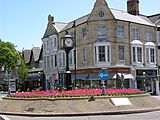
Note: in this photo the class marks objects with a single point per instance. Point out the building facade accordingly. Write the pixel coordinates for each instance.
(50, 52)
(124, 43)
(34, 61)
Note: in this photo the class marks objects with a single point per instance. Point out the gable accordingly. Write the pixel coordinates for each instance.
(50, 30)
(100, 11)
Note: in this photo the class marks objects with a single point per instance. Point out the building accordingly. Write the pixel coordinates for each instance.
(50, 52)
(34, 61)
(155, 19)
(122, 42)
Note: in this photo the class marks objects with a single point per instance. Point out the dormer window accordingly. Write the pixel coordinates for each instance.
(101, 13)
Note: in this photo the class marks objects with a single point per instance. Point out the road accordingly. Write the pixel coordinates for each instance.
(141, 116)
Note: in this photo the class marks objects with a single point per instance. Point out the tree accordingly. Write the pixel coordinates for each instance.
(8, 55)
(11, 59)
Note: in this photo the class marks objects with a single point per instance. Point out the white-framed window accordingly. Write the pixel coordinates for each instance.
(120, 30)
(150, 55)
(135, 33)
(121, 50)
(137, 54)
(149, 35)
(101, 31)
(84, 33)
(84, 54)
(102, 53)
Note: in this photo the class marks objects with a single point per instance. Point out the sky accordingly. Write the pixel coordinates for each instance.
(23, 22)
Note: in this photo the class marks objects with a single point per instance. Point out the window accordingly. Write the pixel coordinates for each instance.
(61, 59)
(102, 53)
(52, 65)
(137, 54)
(134, 54)
(101, 13)
(135, 33)
(121, 52)
(150, 55)
(71, 58)
(55, 42)
(158, 36)
(48, 64)
(148, 36)
(84, 33)
(120, 31)
(84, 54)
(45, 63)
(55, 60)
(101, 31)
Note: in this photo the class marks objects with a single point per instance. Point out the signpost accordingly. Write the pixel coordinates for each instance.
(103, 75)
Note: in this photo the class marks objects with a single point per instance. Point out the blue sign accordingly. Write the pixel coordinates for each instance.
(103, 75)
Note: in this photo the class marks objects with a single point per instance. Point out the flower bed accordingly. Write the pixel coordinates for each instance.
(76, 93)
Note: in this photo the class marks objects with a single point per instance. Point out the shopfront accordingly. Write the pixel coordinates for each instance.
(147, 80)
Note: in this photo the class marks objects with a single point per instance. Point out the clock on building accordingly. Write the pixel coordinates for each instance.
(68, 42)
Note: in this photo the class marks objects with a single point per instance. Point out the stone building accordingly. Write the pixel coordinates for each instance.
(122, 42)
(34, 61)
(50, 52)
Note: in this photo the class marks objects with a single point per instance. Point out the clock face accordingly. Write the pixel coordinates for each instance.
(68, 42)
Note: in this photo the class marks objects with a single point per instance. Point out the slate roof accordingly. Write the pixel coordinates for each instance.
(125, 16)
(154, 18)
(118, 14)
(27, 55)
(35, 51)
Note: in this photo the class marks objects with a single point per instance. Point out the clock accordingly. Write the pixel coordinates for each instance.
(68, 42)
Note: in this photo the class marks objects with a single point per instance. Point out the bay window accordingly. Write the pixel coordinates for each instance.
(102, 53)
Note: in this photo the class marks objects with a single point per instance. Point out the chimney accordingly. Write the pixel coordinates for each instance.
(133, 7)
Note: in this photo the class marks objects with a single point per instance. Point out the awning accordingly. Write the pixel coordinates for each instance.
(79, 76)
(34, 75)
(125, 75)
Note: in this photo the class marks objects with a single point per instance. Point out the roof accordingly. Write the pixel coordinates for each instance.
(59, 26)
(27, 54)
(118, 14)
(154, 18)
(36, 53)
(78, 21)
(125, 16)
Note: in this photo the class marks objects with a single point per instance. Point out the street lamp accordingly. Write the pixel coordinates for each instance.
(144, 80)
(68, 45)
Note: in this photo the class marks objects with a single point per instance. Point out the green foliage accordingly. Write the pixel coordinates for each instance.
(11, 59)
(22, 69)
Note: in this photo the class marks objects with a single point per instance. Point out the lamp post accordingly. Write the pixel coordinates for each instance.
(144, 80)
(68, 45)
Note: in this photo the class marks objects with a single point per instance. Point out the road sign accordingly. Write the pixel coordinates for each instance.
(103, 75)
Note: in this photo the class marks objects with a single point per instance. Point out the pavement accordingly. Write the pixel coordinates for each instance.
(78, 107)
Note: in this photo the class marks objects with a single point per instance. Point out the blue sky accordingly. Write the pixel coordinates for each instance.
(23, 22)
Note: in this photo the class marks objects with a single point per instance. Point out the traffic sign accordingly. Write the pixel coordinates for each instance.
(103, 75)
